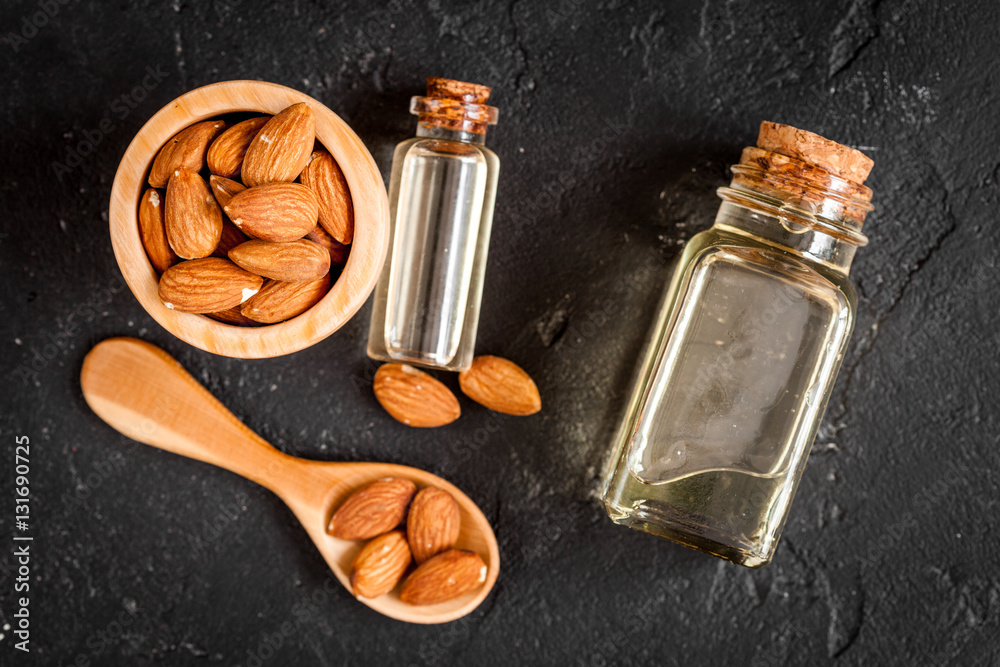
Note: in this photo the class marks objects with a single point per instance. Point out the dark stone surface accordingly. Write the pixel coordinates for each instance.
(618, 121)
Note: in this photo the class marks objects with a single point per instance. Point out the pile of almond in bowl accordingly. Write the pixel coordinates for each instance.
(431, 517)
(249, 223)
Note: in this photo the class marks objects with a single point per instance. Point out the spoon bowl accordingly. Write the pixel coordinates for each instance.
(144, 393)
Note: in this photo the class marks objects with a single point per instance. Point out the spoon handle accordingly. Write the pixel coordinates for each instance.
(144, 393)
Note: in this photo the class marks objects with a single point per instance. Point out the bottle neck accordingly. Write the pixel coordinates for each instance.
(458, 117)
(806, 210)
(739, 216)
(435, 131)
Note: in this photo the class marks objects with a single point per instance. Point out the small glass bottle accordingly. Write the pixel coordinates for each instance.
(744, 353)
(441, 194)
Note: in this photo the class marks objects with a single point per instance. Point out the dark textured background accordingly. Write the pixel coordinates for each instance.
(618, 121)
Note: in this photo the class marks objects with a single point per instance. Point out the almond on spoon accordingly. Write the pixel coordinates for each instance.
(432, 524)
(373, 509)
(380, 565)
(444, 577)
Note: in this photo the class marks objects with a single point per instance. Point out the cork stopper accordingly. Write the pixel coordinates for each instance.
(472, 93)
(818, 180)
(842, 161)
(455, 106)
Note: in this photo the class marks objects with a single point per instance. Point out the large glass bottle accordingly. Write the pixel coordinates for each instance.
(744, 353)
(441, 195)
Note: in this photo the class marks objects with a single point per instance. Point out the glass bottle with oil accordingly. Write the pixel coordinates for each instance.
(744, 352)
(441, 195)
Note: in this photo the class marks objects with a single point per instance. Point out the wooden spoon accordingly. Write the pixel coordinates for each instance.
(144, 393)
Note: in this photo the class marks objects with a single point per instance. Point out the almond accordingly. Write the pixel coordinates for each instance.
(380, 565)
(152, 232)
(186, 150)
(276, 212)
(224, 189)
(432, 524)
(338, 251)
(233, 316)
(294, 261)
(444, 577)
(500, 385)
(193, 220)
(373, 509)
(225, 155)
(336, 209)
(231, 237)
(281, 149)
(206, 285)
(278, 300)
(414, 397)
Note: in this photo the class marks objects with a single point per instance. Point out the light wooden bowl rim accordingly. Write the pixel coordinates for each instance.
(371, 215)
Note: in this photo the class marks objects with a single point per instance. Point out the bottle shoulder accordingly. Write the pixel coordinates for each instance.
(446, 148)
(714, 245)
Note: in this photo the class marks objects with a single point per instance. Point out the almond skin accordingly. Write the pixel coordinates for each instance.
(224, 189)
(281, 149)
(231, 237)
(278, 300)
(278, 212)
(414, 397)
(500, 385)
(186, 150)
(338, 251)
(373, 509)
(380, 565)
(294, 261)
(233, 316)
(193, 220)
(225, 155)
(336, 209)
(206, 285)
(446, 576)
(153, 233)
(432, 523)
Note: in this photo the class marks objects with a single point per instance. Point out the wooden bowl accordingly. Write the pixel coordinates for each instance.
(371, 221)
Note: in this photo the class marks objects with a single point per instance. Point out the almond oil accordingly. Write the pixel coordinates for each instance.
(744, 354)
